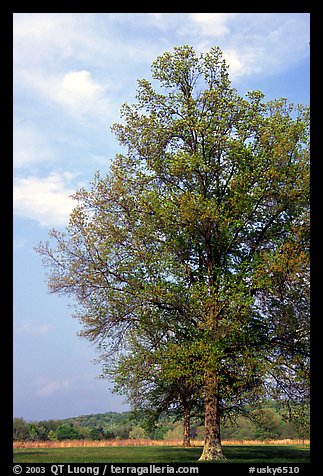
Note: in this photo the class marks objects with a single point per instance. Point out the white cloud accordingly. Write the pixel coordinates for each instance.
(30, 328)
(19, 243)
(45, 200)
(78, 84)
(29, 148)
(45, 46)
(42, 37)
(76, 92)
(236, 64)
(243, 63)
(80, 94)
(48, 387)
(212, 24)
(45, 42)
(263, 44)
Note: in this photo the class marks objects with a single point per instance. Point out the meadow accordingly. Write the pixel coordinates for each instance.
(235, 452)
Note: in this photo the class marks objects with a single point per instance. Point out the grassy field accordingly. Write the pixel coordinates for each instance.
(161, 454)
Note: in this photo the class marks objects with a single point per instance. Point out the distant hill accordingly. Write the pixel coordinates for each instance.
(99, 419)
(265, 423)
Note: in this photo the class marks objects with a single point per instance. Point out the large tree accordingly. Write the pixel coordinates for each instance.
(194, 230)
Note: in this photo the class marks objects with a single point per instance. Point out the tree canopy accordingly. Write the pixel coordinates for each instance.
(197, 236)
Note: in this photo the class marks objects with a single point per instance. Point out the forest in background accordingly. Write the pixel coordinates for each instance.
(268, 422)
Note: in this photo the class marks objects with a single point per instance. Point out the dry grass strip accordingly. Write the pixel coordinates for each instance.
(142, 442)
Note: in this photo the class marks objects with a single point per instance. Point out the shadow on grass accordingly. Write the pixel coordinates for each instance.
(262, 454)
(159, 454)
(29, 452)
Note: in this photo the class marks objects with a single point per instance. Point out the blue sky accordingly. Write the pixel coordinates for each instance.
(72, 72)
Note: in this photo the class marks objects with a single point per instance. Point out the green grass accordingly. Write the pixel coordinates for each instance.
(161, 454)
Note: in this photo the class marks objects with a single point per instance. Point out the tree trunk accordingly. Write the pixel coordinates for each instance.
(212, 444)
(187, 427)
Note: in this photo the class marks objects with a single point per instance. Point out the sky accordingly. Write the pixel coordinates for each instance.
(71, 74)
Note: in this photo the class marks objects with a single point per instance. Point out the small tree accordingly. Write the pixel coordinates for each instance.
(52, 435)
(268, 424)
(144, 375)
(297, 413)
(95, 434)
(66, 432)
(20, 429)
(138, 433)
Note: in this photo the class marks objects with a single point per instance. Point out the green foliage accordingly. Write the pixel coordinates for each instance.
(267, 424)
(20, 430)
(196, 243)
(241, 429)
(95, 434)
(269, 421)
(66, 432)
(298, 415)
(52, 435)
(138, 432)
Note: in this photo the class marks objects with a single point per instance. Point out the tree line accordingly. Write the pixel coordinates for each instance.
(267, 422)
(189, 260)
